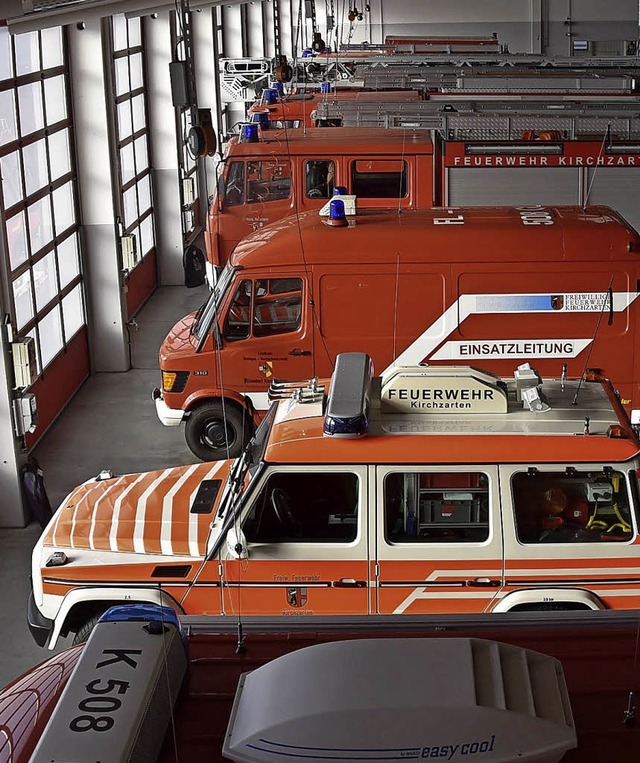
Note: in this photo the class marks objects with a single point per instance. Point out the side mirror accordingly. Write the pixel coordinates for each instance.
(236, 544)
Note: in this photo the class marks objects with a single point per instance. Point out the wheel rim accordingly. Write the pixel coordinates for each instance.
(217, 436)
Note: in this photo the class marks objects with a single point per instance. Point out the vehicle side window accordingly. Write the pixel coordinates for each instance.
(268, 180)
(436, 507)
(379, 178)
(278, 306)
(237, 323)
(571, 506)
(319, 177)
(234, 186)
(318, 507)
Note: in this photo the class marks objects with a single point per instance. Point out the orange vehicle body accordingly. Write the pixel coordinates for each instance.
(421, 513)
(489, 286)
(297, 109)
(265, 181)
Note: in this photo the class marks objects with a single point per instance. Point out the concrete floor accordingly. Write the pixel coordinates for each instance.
(110, 424)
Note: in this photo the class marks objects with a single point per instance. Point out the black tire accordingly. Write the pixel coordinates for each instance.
(212, 436)
(83, 633)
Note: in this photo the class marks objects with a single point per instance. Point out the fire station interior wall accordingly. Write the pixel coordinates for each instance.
(589, 20)
(499, 185)
(618, 188)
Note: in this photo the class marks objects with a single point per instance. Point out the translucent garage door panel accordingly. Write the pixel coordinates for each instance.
(618, 188)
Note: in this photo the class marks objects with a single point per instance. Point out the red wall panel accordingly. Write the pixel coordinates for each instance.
(141, 284)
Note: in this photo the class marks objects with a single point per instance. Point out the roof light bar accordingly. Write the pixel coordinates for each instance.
(516, 148)
(348, 402)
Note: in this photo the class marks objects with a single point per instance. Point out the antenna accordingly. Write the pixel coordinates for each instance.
(395, 306)
(609, 297)
(606, 139)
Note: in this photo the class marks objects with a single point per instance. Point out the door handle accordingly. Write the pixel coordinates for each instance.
(299, 352)
(482, 582)
(349, 583)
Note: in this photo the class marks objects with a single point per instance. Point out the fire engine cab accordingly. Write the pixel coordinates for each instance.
(430, 489)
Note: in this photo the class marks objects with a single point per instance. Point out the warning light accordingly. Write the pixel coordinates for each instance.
(337, 215)
(249, 133)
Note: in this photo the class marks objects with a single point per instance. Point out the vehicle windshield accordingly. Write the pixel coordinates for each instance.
(208, 311)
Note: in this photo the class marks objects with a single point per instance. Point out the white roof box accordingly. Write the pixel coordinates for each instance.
(388, 699)
(442, 390)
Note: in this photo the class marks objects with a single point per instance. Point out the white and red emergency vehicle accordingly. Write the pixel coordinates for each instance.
(489, 286)
(430, 489)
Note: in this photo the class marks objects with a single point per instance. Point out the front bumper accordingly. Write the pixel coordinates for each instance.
(39, 625)
(170, 417)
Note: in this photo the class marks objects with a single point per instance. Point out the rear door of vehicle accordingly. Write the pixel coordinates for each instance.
(438, 539)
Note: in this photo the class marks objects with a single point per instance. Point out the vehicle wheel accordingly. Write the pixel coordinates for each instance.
(83, 633)
(210, 436)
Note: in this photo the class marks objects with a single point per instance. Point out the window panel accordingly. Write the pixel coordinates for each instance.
(135, 32)
(135, 67)
(63, 207)
(582, 507)
(55, 99)
(122, 75)
(68, 260)
(36, 172)
(119, 32)
(27, 49)
(73, 312)
(17, 240)
(44, 280)
(127, 166)
(6, 59)
(275, 312)
(142, 154)
(59, 154)
(8, 119)
(146, 235)
(50, 330)
(52, 54)
(40, 225)
(124, 119)
(436, 507)
(139, 114)
(30, 104)
(144, 194)
(10, 168)
(22, 299)
(130, 202)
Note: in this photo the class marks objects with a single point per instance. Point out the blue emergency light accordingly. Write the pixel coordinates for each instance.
(140, 612)
(261, 118)
(337, 215)
(249, 133)
(325, 87)
(348, 401)
(340, 190)
(279, 86)
(270, 96)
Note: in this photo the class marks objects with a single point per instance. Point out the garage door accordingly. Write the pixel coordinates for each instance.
(617, 187)
(504, 185)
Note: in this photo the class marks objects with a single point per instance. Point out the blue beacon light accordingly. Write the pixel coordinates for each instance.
(270, 96)
(340, 190)
(325, 87)
(337, 215)
(249, 133)
(261, 118)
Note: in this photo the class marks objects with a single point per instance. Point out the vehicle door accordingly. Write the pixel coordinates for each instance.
(438, 540)
(265, 335)
(304, 540)
(573, 529)
(256, 193)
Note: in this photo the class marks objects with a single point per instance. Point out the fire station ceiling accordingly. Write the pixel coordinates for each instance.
(27, 15)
